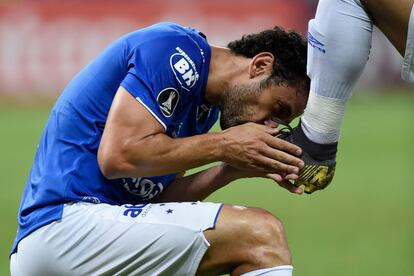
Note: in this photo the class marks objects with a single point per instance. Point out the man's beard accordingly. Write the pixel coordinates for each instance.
(236, 105)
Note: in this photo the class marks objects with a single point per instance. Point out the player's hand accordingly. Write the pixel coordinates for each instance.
(254, 148)
(320, 160)
(285, 183)
(280, 180)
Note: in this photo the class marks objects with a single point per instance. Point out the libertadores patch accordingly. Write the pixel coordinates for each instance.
(168, 100)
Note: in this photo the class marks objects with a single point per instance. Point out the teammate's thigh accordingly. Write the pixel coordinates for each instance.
(244, 239)
(391, 17)
(101, 239)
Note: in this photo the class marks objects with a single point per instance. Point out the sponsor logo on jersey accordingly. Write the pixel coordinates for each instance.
(142, 187)
(167, 100)
(184, 69)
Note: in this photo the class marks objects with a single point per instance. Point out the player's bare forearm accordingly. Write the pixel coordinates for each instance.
(198, 186)
(160, 154)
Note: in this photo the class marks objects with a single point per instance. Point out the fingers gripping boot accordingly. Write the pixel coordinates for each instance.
(320, 159)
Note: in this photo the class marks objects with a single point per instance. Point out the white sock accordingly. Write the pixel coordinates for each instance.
(407, 72)
(322, 118)
(339, 41)
(283, 270)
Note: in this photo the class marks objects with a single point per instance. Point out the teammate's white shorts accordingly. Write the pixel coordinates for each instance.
(102, 239)
(407, 72)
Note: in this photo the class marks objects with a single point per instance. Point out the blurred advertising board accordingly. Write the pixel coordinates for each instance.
(43, 43)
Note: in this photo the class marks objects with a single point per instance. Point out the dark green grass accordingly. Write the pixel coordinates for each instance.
(361, 225)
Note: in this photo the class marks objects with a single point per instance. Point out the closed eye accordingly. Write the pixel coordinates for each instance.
(285, 111)
(282, 111)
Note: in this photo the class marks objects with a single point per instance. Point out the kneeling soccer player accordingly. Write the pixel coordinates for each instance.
(103, 195)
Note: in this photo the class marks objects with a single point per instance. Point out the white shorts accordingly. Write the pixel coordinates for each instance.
(102, 239)
(407, 72)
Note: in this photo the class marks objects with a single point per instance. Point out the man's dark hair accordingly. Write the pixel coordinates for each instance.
(289, 50)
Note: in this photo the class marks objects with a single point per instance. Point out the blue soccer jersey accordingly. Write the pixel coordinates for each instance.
(165, 68)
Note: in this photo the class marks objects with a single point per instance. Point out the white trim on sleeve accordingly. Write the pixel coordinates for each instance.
(152, 113)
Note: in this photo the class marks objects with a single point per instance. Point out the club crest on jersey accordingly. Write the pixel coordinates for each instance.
(168, 100)
(184, 69)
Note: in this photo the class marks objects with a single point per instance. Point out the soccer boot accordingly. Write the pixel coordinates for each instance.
(319, 159)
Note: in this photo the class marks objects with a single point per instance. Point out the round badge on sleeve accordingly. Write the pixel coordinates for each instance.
(168, 100)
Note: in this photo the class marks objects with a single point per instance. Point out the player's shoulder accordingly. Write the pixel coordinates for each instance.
(173, 52)
(170, 29)
(164, 33)
(167, 38)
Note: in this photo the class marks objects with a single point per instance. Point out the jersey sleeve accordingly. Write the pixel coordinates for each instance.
(163, 74)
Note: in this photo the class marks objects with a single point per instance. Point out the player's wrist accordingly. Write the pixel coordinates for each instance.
(230, 173)
(220, 146)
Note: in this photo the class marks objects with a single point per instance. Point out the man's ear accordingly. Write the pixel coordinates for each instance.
(261, 63)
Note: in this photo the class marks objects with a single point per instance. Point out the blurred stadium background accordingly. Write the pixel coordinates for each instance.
(361, 225)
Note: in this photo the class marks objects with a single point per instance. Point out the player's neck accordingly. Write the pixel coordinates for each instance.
(226, 69)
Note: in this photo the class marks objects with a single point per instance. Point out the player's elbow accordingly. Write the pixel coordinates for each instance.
(126, 158)
(107, 166)
(119, 160)
(111, 163)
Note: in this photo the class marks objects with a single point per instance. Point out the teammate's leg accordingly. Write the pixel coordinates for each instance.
(339, 42)
(395, 18)
(344, 28)
(391, 17)
(246, 240)
(338, 49)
